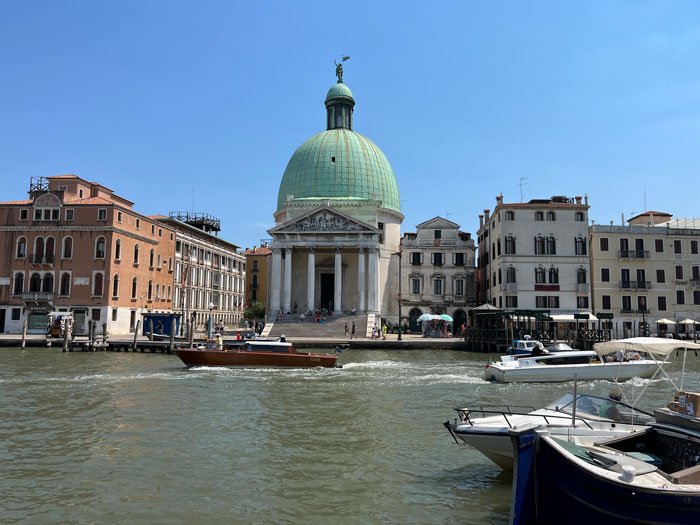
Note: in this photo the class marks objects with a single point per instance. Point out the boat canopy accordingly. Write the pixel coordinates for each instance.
(653, 345)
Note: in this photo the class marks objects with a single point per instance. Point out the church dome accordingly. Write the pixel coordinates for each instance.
(339, 163)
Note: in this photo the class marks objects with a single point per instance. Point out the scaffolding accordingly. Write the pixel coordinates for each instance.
(203, 221)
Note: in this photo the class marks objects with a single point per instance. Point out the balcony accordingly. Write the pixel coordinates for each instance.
(626, 310)
(546, 288)
(635, 285)
(633, 254)
(695, 281)
(47, 259)
(583, 287)
(509, 287)
(38, 296)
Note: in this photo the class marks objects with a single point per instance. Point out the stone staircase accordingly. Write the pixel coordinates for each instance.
(333, 327)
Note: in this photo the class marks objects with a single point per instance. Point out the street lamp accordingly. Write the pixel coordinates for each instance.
(399, 254)
(209, 322)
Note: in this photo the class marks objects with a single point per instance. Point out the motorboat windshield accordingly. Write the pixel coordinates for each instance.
(599, 408)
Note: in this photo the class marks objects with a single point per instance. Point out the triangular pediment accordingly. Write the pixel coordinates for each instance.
(325, 220)
(437, 223)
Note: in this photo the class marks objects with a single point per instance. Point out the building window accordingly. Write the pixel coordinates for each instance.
(510, 245)
(21, 252)
(605, 275)
(49, 249)
(510, 216)
(510, 274)
(696, 296)
(553, 276)
(437, 259)
(626, 303)
(119, 216)
(459, 287)
(580, 246)
(416, 258)
(661, 303)
(16, 314)
(540, 301)
(115, 285)
(138, 224)
(579, 217)
(98, 282)
(100, 248)
(604, 244)
(35, 283)
(23, 215)
(47, 285)
(134, 288)
(660, 276)
(551, 216)
(677, 247)
(551, 246)
(136, 254)
(659, 245)
(151, 256)
(149, 291)
(679, 272)
(582, 302)
(153, 229)
(118, 250)
(539, 245)
(581, 276)
(694, 247)
(437, 234)
(415, 285)
(18, 285)
(114, 314)
(101, 214)
(64, 288)
(459, 259)
(437, 286)
(511, 301)
(539, 216)
(606, 302)
(67, 252)
(680, 297)
(539, 275)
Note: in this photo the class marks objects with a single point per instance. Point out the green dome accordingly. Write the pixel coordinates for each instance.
(339, 90)
(339, 164)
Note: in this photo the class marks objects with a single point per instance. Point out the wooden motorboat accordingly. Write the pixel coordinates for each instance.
(267, 353)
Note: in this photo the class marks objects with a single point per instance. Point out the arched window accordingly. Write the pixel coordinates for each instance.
(170, 264)
(539, 275)
(255, 280)
(65, 284)
(169, 293)
(35, 282)
(18, 287)
(98, 283)
(581, 276)
(551, 246)
(68, 247)
(160, 262)
(539, 245)
(136, 254)
(149, 291)
(118, 250)
(134, 288)
(551, 216)
(580, 245)
(151, 258)
(21, 252)
(157, 292)
(510, 274)
(100, 248)
(115, 285)
(510, 245)
(49, 249)
(553, 275)
(39, 250)
(47, 285)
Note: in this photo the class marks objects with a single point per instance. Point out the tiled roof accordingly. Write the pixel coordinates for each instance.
(261, 250)
(89, 200)
(26, 201)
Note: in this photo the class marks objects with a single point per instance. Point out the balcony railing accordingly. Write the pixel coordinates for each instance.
(509, 287)
(46, 259)
(633, 254)
(583, 287)
(635, 285)
(38, 296)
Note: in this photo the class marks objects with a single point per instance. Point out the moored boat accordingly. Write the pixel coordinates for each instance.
(264, 353)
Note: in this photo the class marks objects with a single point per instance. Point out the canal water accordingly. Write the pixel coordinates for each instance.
(138, 438)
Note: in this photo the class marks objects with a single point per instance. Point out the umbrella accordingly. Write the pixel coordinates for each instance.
(687, 321)
(445, 317)
(666, 321)
(425, 317)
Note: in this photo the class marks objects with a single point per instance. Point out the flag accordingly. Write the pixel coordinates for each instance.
(345, 57)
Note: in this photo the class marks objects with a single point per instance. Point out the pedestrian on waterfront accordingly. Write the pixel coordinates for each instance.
(385, 329)
(346, 330)
(352, 334)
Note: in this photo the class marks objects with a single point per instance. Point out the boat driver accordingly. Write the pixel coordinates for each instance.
(609, 408)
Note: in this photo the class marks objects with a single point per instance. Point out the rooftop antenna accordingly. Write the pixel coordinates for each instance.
(522, 183)
(192, 199)
(645, 198)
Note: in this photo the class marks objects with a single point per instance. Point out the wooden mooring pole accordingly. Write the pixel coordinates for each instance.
(136, 334)
(172, 335)
(24, 333)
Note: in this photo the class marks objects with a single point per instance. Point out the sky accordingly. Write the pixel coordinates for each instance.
(198, 105)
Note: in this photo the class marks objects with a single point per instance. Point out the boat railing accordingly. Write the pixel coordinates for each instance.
(466, 415)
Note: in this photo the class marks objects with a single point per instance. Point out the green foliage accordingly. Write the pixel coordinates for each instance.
(256, 310)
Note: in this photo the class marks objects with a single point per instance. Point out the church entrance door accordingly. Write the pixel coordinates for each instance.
(327, 289)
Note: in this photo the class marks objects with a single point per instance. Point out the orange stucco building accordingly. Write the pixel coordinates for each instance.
(75, 246)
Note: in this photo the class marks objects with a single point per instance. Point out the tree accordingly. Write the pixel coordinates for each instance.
(255, 311)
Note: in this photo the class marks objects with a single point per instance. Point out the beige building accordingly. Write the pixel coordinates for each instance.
(257, 274)
(647, 270)
(437, 272)
(76, 246)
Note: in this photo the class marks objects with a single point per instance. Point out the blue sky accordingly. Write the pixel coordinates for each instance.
(198, 105)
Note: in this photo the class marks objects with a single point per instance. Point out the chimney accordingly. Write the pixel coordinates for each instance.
(499, 199)
(486, 215)
(481, 221)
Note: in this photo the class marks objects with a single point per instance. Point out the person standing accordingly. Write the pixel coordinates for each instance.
(385, 329)
(352, 334)
(346, 330)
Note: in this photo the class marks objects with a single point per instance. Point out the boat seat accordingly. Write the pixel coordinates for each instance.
(690, 475)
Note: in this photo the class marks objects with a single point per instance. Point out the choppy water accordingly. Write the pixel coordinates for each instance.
(138, 438)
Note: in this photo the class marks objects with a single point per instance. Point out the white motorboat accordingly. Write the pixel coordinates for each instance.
(564, 366)
(487, 428)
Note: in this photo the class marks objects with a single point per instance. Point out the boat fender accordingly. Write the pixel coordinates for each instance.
(628, 473)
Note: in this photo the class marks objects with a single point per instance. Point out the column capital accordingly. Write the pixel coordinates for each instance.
(276, 250)
(311, 249)
(361, 249)
(338, 249)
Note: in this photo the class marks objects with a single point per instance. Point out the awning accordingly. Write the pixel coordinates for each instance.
(655, 345)
(562, 318)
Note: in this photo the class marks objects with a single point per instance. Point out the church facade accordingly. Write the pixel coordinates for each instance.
(336, 240)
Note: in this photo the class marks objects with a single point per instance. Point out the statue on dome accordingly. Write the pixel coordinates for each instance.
(339, 68)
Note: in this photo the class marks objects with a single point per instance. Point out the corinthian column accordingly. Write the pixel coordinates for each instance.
(276, 279)
(361, 279)
(338, 281)
(372, 303)
(287, 280)
(311, 280)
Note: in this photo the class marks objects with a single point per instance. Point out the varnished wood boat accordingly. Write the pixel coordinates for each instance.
(254, 354)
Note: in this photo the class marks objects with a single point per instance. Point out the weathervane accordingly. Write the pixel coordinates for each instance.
(339, 68)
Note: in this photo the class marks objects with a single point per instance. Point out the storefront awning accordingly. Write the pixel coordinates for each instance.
(562, 318)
